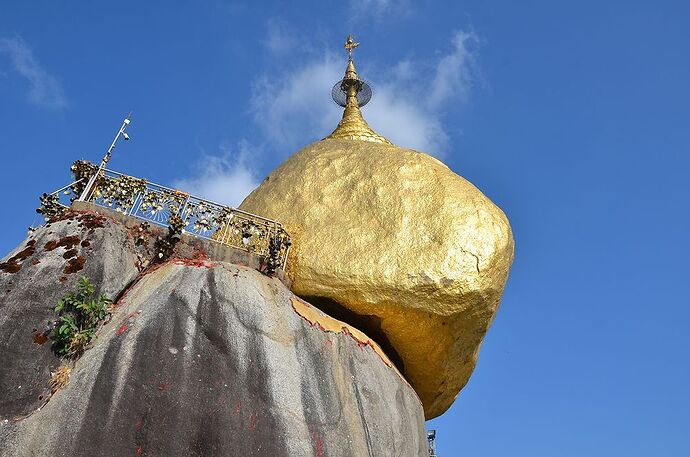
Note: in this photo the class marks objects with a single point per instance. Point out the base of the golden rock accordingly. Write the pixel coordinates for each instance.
(200, 356)
(393, 242)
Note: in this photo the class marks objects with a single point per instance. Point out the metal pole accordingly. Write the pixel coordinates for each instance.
(104, 162)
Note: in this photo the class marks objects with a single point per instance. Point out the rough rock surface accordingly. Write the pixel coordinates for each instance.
(207, 358)
(33, 278)
(392, 241)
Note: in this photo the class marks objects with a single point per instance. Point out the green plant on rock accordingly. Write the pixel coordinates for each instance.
(79, 314)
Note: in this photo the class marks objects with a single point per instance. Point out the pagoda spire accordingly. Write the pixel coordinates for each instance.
(352, 93)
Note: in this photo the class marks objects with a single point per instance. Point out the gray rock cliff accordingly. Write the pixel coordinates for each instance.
(200, 357)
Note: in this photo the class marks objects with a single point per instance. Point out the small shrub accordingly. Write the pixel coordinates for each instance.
(79, 314)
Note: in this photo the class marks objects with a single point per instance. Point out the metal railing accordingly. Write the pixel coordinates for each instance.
(163, 206)
(431, 442)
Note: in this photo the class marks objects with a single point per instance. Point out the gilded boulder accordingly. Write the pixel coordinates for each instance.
(395, 243)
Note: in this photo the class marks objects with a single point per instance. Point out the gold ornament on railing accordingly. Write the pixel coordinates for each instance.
(50, 206)
(119, 193)
(177, 210)
(82, 170)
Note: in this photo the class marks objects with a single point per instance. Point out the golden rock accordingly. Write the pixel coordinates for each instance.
(391, 241)
(415, 254)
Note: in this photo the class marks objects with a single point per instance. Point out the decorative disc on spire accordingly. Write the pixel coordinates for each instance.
(339, 95)
(352, 93)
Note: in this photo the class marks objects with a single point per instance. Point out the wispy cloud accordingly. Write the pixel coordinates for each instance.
(44, 89)
(226, 178)
(293, 107)
(377, 10)
(279, 37)
(371, 4)
(456, 71)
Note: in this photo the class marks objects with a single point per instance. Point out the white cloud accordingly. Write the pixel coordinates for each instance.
(366, 4)
(455, 71)
(44, 89)
(294, 107)
(227, 178)
(279, 38)
(364, 8)
(400, 118)
(368, 11)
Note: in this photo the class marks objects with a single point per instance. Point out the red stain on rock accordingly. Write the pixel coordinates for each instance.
(199, 251)
(74, 265)
(65, 215)
(203, 263)
(253, 420)
(360, 343)
(318, 444)
(62, 278)
(69, 254)
(67, 242)
(140, 450)
(122, 329)
(13, 263)
(237, 410)
(92, 220)
(85, 243)
(40, 338)
(50, 245)
(317, 325)
(35, 262)
(10, 267)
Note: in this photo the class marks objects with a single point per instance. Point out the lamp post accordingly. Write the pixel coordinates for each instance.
(106, 158)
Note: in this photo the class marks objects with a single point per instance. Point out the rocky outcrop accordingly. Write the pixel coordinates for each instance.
(33, 278)
(205, 357)
(393, 241)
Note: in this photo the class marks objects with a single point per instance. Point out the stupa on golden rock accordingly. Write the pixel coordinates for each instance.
(392, 241)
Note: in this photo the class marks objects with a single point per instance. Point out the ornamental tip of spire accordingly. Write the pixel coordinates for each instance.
(350, 45)
(353, 93)
(350, 71)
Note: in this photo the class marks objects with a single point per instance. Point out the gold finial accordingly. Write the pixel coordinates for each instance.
(353, 126)
(350, 45)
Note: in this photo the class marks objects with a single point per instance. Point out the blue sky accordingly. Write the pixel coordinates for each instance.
(571, 116)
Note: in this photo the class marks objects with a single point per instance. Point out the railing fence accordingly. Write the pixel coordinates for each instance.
(168, 207)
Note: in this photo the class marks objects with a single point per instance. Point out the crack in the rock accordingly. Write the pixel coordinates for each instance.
(476, 258)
